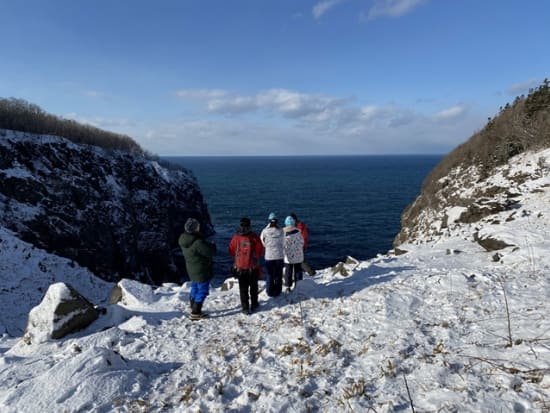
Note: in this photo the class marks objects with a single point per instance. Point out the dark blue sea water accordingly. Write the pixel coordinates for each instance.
(351, 204)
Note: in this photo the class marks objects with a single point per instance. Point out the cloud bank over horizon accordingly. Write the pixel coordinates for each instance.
(286, 122)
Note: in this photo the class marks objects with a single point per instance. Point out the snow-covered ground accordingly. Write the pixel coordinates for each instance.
(446, 327)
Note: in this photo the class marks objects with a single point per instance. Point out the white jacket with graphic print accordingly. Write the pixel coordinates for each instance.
(293, 246)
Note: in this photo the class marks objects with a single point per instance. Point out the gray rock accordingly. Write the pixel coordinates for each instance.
(116, 294)
(491, 243)
(62, 311)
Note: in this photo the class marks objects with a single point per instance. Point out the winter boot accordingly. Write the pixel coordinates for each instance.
(307, 269)
(191, 303)
(196, 312)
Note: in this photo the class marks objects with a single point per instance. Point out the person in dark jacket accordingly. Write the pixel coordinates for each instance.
(246, 249)
(198, 255)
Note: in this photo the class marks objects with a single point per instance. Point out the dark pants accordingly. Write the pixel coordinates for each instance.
(293, 274)
(248, 283)
(274, 277)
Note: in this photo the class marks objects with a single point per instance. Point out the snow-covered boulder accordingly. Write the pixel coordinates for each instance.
(132, 293)
(345, 268)
(229, 284)
(62, 311)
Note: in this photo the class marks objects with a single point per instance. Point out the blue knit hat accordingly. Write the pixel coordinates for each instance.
(272, 217)
(289, 221)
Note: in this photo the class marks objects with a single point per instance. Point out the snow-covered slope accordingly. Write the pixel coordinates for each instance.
(25, 274)
(445, 327)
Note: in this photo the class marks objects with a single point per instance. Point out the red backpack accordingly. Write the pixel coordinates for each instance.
(244, 254)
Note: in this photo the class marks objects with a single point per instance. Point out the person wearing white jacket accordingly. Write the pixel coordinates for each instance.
(272, 237)
(293, 249)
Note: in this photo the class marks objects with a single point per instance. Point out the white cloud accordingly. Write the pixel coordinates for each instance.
(114, 125)
(225, 137)
(322, 7)
(315, 111)
(521, 88)
(284, 122)
(299, 105)
(233, 105)
(200, 94)
(451, 113)
(282, 102)
(392, 8)
(364, 130)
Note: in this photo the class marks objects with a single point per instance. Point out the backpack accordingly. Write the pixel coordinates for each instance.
(244, 254)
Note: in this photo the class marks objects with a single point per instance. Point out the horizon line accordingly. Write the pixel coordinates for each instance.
(298, 155)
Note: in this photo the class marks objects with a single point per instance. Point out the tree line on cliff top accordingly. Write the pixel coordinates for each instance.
(20, 115)
(518, 127)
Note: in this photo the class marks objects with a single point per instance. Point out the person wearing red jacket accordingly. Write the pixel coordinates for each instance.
(305, 235)
(246, 248)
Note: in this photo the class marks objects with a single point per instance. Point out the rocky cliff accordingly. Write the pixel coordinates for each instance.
(116, 213)
(466, 196)
(486, 174)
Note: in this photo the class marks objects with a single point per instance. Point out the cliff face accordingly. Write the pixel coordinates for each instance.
(115, 213)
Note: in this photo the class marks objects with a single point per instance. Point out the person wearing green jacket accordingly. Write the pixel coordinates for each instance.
(198, 255)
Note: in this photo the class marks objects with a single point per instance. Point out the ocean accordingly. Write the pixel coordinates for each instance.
(352, 205)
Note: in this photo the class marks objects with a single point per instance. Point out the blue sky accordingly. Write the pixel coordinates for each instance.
(284, 77)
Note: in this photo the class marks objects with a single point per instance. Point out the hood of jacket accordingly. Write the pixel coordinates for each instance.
(188, 239)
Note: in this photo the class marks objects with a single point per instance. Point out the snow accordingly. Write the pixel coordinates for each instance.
(458, 329)
(17, 173)
(162, 172)
(27, 272)
(453, 214)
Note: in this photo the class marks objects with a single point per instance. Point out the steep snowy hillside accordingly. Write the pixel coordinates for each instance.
(446, 327)
(467, 196)
(27, 272)
(115, 213)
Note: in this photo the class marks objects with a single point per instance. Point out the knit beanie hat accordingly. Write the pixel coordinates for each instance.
(272, 217)
(289, 221)
(192, 225)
